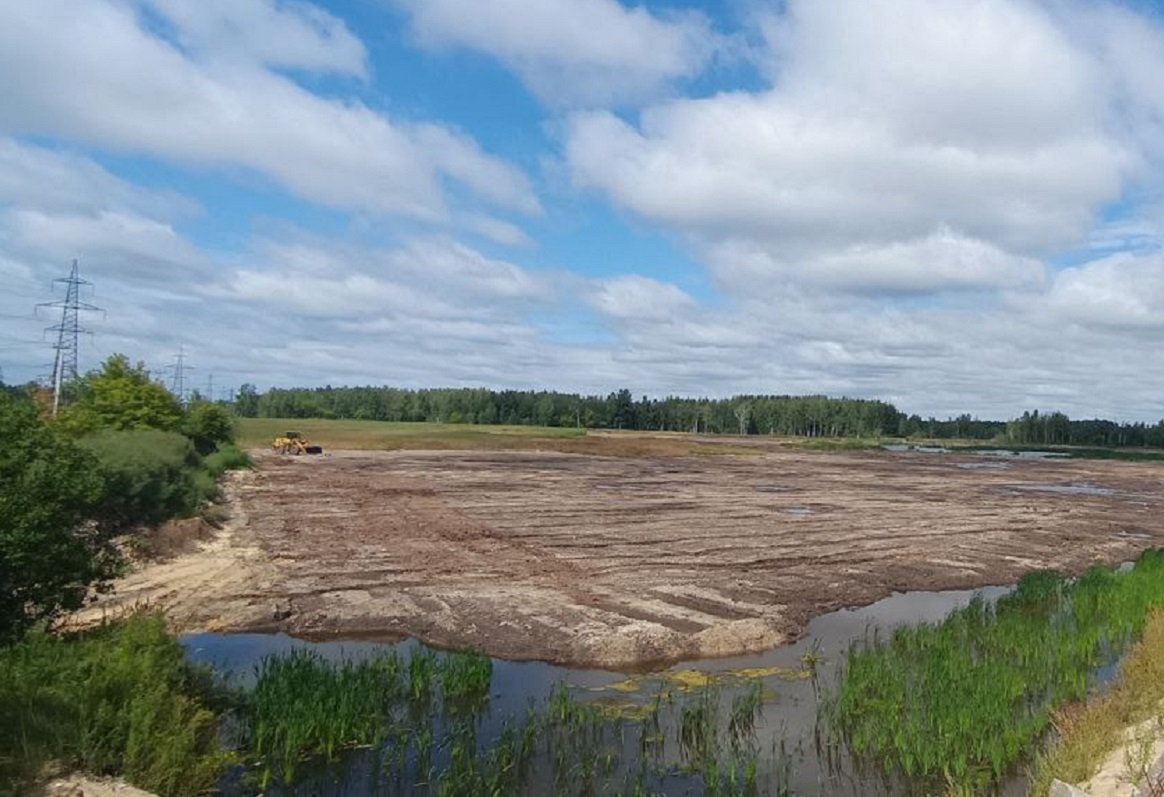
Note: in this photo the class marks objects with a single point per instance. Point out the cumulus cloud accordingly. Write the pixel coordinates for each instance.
(572, 51)
(891, 130)
(130, 91)
(1122, 291)
(639, 298)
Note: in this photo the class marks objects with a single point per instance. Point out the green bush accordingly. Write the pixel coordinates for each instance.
(227, 457)
(150, 477)
(209, 426)
(49, 556)
(117, 701)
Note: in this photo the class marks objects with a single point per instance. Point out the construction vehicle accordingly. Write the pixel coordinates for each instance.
(294, 443)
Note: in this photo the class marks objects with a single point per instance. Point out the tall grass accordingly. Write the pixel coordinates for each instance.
(118, 700)
(303, 706)
(965, 700)
(420, 723)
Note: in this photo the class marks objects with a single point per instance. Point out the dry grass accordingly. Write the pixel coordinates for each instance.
(1088, 733)
(386, 436)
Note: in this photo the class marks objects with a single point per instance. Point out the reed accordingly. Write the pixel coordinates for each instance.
(967, 699)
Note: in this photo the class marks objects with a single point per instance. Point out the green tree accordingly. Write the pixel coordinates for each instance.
(208, 426)
(246, 403)
(122, 396)
(49, 553)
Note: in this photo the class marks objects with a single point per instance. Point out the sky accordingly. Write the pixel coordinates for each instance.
(955, 206)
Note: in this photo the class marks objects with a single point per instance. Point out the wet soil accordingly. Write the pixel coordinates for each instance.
(620, 562)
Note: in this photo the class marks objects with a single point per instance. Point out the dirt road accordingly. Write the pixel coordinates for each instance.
(617, 562)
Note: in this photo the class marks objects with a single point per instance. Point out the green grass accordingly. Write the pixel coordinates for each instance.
(391, 436)
(840, 443)
(303, 706)
(383, 435)
(967, 699)
(119, 700)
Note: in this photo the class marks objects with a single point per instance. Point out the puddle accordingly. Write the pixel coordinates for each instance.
(996, 453)
(1007, 454)
(797, 510)
(984, 465)
(786, 721)
(1058, 489)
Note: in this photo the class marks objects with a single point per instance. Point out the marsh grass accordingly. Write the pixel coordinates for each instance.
(117, 700)
(422, 721)
(303, 706)
(965, 700)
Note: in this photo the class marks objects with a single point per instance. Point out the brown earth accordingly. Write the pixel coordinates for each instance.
(628, 561)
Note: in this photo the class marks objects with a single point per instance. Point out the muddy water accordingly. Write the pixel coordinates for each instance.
(785, 730)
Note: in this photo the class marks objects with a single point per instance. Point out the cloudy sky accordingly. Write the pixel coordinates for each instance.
(955, 206)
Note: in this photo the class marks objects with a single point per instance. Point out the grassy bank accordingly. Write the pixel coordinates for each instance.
(120, 701)
(966, 700)
(1089, 733)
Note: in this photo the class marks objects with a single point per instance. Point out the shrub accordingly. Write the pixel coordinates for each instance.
(209, 426)
(117, 701)
(150, 476)
(227, 457)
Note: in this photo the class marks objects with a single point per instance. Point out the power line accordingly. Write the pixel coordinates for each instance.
(68, 331)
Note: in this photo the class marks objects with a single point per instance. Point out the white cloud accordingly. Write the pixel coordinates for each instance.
(427, 281)
(134, 247)
(941, 261)
(45, 179)
(639, 299)
(1119, 291)
(132, 92)
(976, 134)
(272, 33)
(572, 51)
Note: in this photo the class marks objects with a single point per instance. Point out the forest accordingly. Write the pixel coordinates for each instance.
(794, 416)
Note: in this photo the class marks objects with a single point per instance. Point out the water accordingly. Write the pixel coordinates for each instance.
(1059, 489)
(999, 453)
(787, 721)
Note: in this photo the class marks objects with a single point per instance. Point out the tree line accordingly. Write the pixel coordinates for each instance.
(791, 416)
(810, 416)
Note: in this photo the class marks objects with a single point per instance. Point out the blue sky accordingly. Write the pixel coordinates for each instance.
(954, 206)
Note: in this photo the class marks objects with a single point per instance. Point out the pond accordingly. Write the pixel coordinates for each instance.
(782, 744)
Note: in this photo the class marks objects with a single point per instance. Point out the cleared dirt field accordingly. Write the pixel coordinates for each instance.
(625, 561)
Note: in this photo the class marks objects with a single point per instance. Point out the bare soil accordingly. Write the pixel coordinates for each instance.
(621, 562)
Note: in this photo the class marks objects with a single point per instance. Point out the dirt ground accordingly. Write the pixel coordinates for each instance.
(621, 562)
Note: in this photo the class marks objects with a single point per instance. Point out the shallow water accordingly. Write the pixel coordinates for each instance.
(787, 722)
(1059, 489)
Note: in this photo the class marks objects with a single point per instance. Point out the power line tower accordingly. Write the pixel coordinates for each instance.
(68, 331)
(178, 381)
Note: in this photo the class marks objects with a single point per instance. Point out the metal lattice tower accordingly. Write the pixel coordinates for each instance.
(68, 332)
(178, 383)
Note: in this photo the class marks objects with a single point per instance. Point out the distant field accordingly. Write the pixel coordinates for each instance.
(386, 436)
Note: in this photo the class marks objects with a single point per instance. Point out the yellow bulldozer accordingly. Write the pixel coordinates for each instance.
(294, 443)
